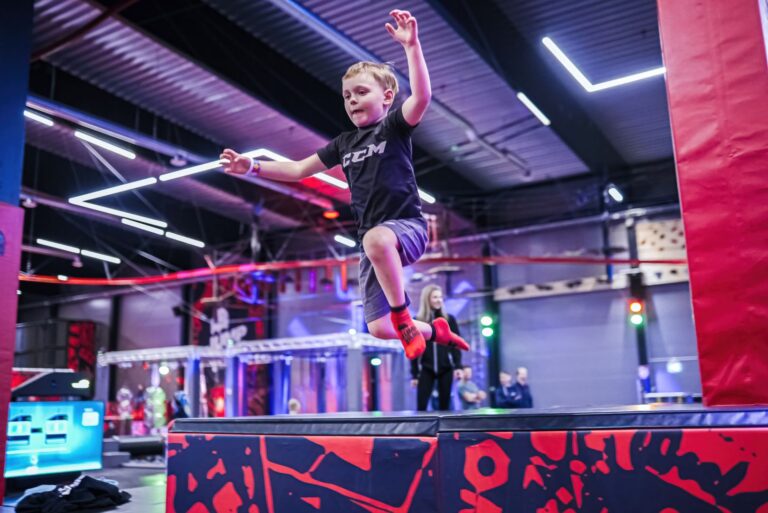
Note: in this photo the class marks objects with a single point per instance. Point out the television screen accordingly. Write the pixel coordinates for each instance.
(53, 437)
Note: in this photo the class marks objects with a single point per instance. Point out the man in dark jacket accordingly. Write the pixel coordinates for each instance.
(514, 395)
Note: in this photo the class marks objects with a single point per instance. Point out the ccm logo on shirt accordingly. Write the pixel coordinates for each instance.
(359, 156)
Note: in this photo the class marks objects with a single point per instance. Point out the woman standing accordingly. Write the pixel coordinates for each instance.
(439, 364)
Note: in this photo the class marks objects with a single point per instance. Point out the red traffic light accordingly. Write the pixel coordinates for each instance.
(636, 306)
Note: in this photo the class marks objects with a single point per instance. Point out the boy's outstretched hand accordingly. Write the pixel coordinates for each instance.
(407, 32)
(234, 163)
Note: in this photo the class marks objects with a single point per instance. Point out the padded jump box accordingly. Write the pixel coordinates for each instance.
(640, 459)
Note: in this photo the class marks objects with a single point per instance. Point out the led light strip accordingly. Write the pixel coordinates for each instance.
(104, 144)
(35, 116)
(114, 190)
(584, 81)
(158, 231)
(345, 241)
(78, 251)
(120, 213)
(142, 226)
(533, 108)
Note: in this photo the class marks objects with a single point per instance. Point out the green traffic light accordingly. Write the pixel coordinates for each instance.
(487, 332)
(486, 320)
(636, 319)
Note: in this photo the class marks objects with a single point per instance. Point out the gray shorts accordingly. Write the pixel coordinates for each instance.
(412, 236)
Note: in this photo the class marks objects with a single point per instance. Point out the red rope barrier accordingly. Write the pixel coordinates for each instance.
(304, 264)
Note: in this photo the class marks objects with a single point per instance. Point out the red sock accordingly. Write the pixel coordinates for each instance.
(409, 335)
(443, 335)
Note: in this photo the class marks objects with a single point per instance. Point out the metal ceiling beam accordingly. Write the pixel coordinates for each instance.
(496, 40)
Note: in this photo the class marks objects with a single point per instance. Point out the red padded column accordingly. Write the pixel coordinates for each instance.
(717, 84)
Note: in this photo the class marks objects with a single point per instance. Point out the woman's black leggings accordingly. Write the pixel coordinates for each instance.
(427, 380)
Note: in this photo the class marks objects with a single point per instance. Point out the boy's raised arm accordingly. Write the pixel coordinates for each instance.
(407, 34)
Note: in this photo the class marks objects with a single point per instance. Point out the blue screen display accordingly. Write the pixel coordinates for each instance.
(54, 437)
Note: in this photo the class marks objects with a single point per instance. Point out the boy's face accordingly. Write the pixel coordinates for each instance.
(365, 100)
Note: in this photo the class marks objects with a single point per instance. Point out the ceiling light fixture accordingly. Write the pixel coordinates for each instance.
(120, 213)
(57, 245)
(189, 171)
(346, 241)
(84, 201)
(534, 109)
(186, 240)
(426, 197)
(78, 251)
(104, 144)
(158, 231)
(325, 177)
(114, 190)
(142, 226)
(584, 81)
(100, 256)
(614, 193)
(34, 116)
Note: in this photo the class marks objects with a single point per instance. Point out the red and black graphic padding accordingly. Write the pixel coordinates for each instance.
(620, 471)
(297, 474)
(644, 459)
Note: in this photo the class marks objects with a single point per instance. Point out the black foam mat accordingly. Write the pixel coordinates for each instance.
(430, 424)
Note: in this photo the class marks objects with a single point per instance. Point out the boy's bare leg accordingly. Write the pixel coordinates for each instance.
(381, 248)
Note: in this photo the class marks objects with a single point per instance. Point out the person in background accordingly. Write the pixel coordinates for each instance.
(438, 364)
(470, 394)
(514, 395)
(294, 406)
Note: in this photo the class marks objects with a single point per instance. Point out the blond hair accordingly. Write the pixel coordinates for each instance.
(381, 73)
(426, 314)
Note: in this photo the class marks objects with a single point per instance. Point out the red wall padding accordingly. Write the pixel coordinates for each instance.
(717, 84)
(11, 224)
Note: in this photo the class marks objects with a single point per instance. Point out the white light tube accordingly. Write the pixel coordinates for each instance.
(534, 109)
(345, 241)
(106, 145)
(186, 240)
(57, 245)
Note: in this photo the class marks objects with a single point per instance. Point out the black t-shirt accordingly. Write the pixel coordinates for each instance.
(378, 163)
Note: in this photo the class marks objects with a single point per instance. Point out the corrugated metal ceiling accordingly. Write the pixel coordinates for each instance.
(460, 80)
(120, 59)
(606, 40)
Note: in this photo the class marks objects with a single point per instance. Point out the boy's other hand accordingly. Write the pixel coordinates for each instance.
(407, 32)
(234, 163)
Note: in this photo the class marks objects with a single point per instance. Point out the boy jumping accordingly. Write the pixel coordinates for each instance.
(378, 164)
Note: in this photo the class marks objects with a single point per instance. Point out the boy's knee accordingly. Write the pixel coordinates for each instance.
(378, 240)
